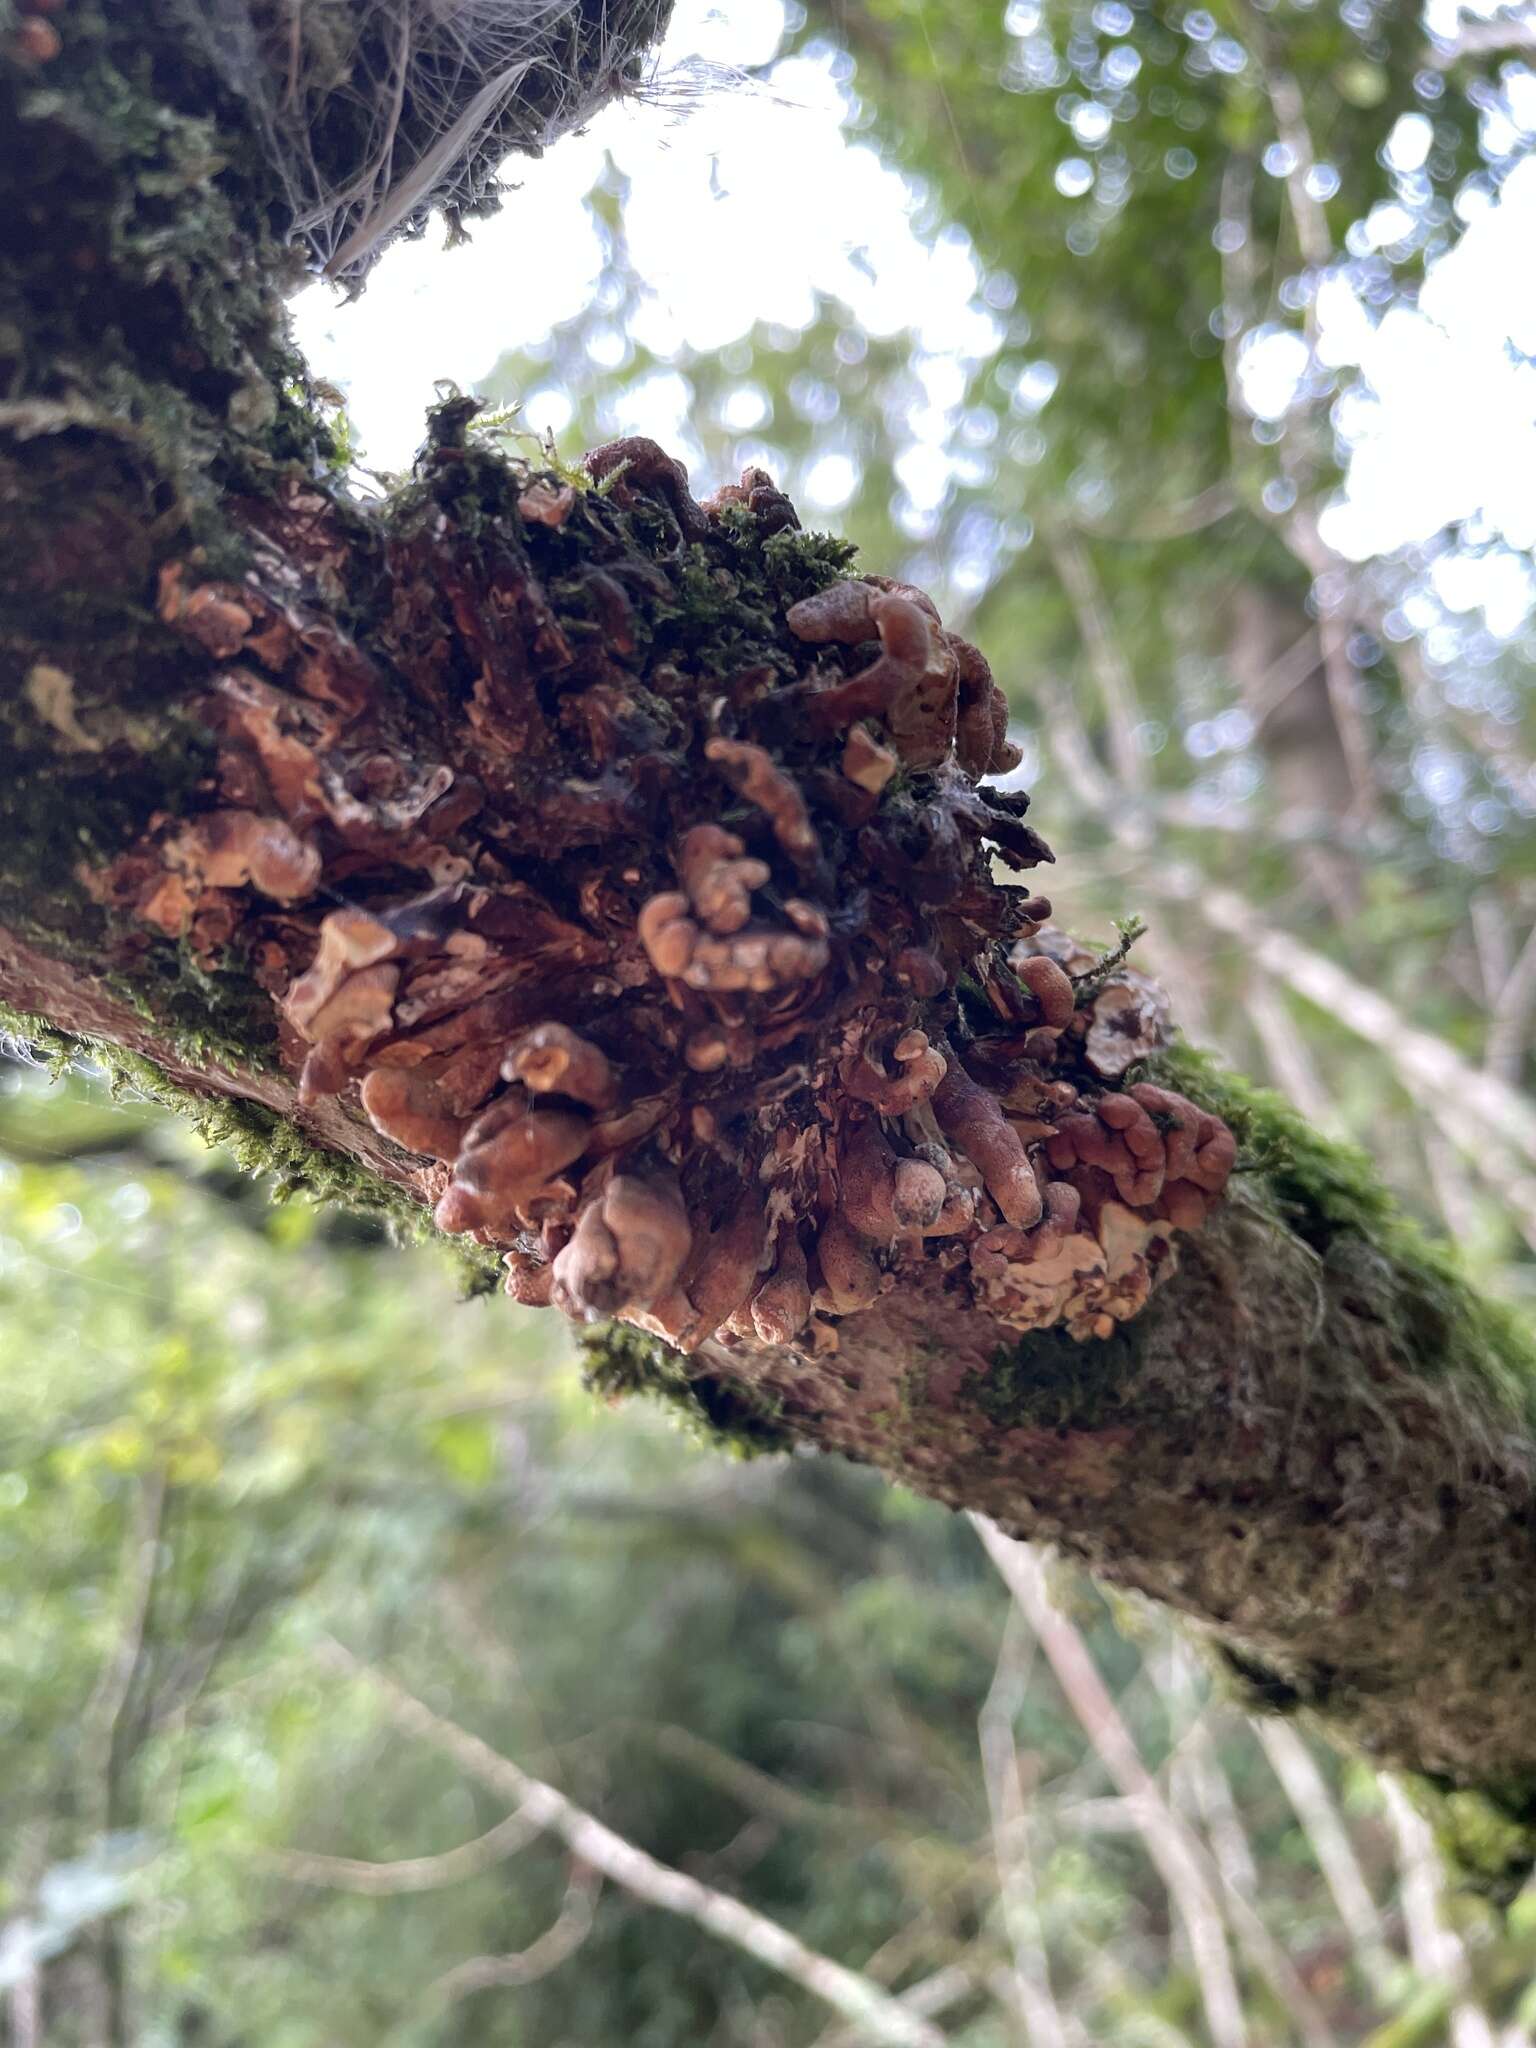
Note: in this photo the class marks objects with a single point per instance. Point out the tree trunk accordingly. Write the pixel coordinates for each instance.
(614, 875)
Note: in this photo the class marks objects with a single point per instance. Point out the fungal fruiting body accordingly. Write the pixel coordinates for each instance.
(692, 970)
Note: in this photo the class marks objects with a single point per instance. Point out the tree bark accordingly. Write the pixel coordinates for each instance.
(616, 876)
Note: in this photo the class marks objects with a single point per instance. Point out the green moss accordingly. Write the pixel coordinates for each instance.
(1324, 1186)
(619, 1361)
(800, 564)
(1331, 1196)
(1377, 1259)
(145, 168)
(209, 1013)
(724, 613)
(96, 756)
(1049, 1380)
(1486, 1838)
(261, 1143)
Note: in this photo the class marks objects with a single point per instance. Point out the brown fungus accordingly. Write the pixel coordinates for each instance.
(755, 775)
(755, 962)
(408, 1106)
(507, 1156)
(552, 1059)
(1050, 987)
(636, 464)
(850, 1277)
(722, 1275)
(883, 1196)
(1128, 1019)
(702, 1103)
(973, 1120)
(719, 881)
(343, 1028)
(867, 763)
(909, 687)
(958, 1212)
(762, 498)
(781, 1307)
(982, 745)
(667, 932)
(627, 1250)
(919, 1068)
(530, 1280)
(233, 849)
(841, 613)
(547, 505)
(350, 940)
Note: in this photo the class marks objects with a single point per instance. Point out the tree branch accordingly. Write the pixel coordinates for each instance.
(621, 880)
(556, 1945)
(881, 2017)
(1166, 1842)
(1329, 1841)
(1008, 1805)
(409, 1873)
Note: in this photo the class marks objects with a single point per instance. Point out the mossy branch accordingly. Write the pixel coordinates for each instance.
(620, 878)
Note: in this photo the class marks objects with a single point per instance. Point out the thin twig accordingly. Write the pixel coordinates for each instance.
(1455, 1197)
(1327, 1837)
(101, 1739)
(1509, 1023)
(1285, 1052)
(1179, 1858)
(1197, 1778)
(102, 1718)
(1166, 1842)
(1172, 522)
(24, 2001)
(1111, 670)
(556, 1945)
(931, 1996)
(1343, 684)
(1033, 1996)
(1426, 1063)
(1288, 107)
(408, 1873)
(1490, 942)
(881, 2017)
(1264, 695)
(1436, 1951)
(1513, 31)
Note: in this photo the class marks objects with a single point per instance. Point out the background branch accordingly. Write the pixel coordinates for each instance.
(882, 2017)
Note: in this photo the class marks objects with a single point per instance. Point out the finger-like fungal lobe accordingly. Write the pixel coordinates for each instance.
(629, 1246)
(699, 969)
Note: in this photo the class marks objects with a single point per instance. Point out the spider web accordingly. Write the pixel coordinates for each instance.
(371, 112)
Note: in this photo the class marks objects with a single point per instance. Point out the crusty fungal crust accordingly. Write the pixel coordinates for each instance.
(702, 991)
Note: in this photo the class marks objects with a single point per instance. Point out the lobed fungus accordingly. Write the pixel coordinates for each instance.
(628, 1248)
(686, 1001)
(763, 782)
(554, 1059)
(719, 882)
(404, 1104)
(781, 1307)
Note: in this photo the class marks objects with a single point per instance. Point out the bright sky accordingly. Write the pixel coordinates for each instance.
(728, 224)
